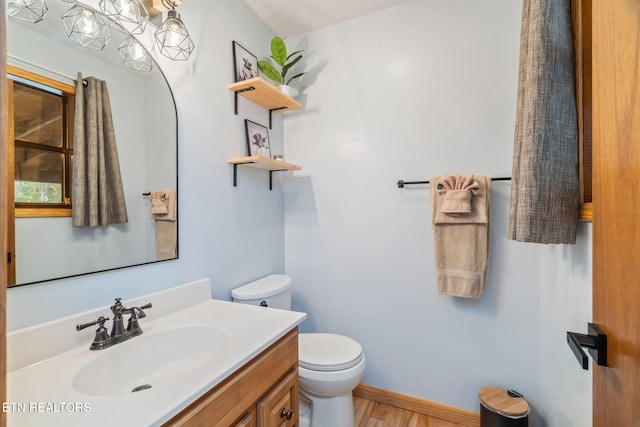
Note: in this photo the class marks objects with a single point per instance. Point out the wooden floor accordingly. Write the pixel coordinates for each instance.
(374, 414)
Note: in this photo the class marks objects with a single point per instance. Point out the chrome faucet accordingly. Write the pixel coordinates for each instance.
(118, 334)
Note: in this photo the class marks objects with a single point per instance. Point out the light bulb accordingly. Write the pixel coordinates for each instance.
(137, 52)
(174, 37)
(86, 24)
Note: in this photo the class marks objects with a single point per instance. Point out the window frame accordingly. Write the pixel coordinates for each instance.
(32, 210)
(582, 45)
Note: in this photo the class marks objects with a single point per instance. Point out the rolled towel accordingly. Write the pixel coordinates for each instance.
(159, 203)
(168, 197)
(457, 191)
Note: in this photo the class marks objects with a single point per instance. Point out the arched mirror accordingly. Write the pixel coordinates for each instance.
(46, 245)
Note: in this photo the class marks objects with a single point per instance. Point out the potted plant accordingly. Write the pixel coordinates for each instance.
(279, 55)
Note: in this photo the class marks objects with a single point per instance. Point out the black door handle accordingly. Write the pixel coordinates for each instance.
(596, 343)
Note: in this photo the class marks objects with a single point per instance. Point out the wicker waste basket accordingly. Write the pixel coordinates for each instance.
(502, 408)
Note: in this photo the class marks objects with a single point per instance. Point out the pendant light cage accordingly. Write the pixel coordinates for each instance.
(173, 38)
(126, 16)
(27, 10)
(134, 55)
(86, 27)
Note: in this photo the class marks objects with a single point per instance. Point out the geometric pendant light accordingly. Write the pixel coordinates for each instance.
(134, 55)
(173, 38)
(27, 10)
(86, 27)
(130, 16)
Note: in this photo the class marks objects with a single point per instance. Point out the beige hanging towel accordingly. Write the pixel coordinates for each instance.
(461, 233)
(163, 211)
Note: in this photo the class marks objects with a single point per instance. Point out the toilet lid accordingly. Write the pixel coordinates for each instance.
(328, 352)
(268, 286)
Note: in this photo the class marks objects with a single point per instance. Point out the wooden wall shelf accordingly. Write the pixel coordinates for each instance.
(264, 94)
(259, 162)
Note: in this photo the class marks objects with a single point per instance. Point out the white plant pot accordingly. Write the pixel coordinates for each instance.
(288, 90)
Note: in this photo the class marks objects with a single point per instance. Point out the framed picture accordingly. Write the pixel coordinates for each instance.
(257, 139)
(245, 64)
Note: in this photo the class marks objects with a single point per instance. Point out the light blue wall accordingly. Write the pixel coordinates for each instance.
(423, 89)
(232, 235)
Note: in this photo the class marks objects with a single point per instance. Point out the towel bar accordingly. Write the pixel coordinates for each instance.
(402, 183)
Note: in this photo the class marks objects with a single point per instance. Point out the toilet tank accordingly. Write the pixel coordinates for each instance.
(271, 291)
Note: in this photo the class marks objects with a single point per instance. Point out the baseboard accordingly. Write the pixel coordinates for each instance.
(419, 405)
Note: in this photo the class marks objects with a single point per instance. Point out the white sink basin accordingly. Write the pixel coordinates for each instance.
(148, 360)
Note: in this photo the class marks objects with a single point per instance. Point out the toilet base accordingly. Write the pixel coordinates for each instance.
(304, 411)
(328, 411)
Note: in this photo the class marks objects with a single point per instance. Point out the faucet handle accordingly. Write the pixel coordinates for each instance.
(138, 313)
(133, 327)
(100, 320)
(101, 340)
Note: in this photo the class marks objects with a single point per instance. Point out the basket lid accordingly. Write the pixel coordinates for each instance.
(501, 401)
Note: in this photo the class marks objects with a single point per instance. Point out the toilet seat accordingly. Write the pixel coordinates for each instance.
(328, 352)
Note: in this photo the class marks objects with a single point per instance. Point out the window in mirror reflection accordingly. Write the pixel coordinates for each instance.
(42, 112)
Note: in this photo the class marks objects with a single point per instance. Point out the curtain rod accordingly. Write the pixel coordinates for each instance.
(40, 67)
(402, 183)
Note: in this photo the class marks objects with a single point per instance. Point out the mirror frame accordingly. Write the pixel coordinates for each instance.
(10, 226)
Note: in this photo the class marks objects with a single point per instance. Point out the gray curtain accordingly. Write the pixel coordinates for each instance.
(97, 194)
(545, 191)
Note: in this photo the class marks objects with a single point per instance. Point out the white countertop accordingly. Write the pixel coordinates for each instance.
(42, 393)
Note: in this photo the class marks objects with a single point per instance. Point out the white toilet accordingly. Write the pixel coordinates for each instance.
(330, 365)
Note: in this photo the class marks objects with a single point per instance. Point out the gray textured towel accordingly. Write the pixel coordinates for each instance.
(545, 191)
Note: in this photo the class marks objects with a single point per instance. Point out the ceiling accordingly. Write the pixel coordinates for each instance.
(292, 17)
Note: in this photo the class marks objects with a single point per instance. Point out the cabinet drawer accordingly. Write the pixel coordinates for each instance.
(249, 420)
(280, 406)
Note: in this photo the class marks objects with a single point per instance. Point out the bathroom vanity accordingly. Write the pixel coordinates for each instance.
(199, 361)
(262, 393)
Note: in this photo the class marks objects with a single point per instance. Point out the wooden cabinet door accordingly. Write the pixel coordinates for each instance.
(280, 406)
(616, 209)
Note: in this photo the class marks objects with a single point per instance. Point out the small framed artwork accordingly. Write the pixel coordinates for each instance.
(245, 64)
(257, 139)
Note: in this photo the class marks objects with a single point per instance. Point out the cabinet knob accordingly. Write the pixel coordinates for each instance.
(286, 414)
